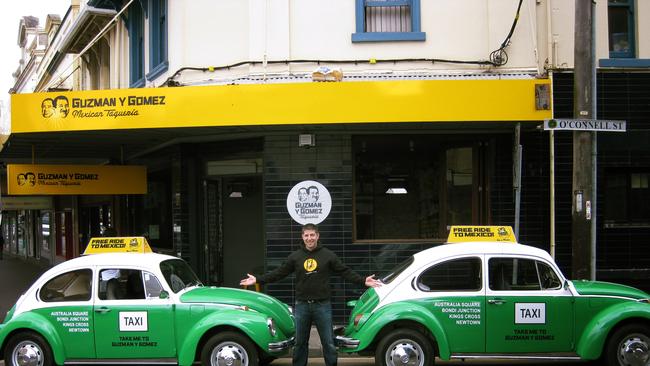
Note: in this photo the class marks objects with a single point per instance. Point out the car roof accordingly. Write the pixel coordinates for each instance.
(114, 259)
(464, 248)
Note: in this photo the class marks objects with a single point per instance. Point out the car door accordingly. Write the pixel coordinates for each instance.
(131, 320)
(66, 302)
(528, 309)
(454, 294)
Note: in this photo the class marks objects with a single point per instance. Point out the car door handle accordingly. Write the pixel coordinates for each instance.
(102, 310)
(496, 301)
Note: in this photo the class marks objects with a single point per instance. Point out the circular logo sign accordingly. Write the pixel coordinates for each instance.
(309, 202)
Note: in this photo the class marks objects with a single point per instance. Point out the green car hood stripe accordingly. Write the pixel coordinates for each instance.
(597, 288)
(254, 300)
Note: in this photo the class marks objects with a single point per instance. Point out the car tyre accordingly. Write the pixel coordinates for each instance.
(28, 348)
(404, 347)
(629, 345)
(229, 348)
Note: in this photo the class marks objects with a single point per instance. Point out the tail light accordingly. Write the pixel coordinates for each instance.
(357, 319)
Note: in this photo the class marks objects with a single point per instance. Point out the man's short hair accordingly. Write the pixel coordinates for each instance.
(306, 227)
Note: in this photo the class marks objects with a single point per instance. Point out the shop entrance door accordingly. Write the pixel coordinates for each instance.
(234, 229)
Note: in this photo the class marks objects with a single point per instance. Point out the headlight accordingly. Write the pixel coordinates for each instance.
(271, 325)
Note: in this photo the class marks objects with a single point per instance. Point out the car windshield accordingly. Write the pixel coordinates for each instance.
(388, 277)
(179, 275)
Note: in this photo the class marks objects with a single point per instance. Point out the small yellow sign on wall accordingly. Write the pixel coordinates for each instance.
(459, 234)
(37, 180)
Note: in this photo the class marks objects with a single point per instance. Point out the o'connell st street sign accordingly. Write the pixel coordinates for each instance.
(584, 125)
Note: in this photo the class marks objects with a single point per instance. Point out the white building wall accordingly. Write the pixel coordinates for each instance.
(204, 33)
(215, 33)
(643, 28)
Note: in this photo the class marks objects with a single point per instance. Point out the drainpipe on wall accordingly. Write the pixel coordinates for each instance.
(516, 175)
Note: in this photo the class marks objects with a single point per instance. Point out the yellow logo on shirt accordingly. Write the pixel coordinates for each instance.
(310, 264)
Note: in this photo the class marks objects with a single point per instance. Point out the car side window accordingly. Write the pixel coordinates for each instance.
(70, 286)
(513, 274)
(121, 284)
(462, 274)
(548, 277)
(152, 286)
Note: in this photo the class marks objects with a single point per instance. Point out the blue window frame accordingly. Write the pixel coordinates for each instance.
(620, 15)
(136, 45)
(388, 20)
(158, 63)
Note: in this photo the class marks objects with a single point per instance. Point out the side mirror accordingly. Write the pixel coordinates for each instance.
(163, 295)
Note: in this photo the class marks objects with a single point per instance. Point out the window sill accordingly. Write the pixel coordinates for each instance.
(158, 70)
(614, 225)
(388, 36)
(138, 83)
(624, 62)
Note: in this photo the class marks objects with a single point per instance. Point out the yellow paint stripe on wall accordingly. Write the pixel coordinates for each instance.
(280, 104)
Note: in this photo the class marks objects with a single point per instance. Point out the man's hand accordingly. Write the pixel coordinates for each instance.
(250, 280)
(371, 281)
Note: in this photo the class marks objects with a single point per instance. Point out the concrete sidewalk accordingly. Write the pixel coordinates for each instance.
(16, 275)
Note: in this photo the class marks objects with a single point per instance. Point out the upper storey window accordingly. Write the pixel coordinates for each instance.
(136, 45)
(388, 20)
(620, 14)
(157, 38)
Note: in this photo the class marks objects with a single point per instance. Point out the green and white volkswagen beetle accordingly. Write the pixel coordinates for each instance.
(140, 308)
(495, 299)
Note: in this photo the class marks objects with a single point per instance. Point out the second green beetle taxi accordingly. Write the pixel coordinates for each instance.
(140, 308)
(486, 296)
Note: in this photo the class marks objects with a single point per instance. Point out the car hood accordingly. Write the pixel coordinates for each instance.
(608, 289)
(257, 301)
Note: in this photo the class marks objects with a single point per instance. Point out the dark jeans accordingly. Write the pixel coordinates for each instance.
(318, 313)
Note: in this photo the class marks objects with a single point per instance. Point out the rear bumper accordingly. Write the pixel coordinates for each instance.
(276, 347)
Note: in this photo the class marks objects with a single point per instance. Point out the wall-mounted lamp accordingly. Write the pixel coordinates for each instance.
(237, 189)
(396, 190)
(306, 140)
(396, 186)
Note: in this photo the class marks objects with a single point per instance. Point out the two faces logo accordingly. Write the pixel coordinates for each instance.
(308, 194)
(55, 107)
(28, 179)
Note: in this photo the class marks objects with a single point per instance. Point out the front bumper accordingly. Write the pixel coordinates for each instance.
(346, 342)
(281, 346)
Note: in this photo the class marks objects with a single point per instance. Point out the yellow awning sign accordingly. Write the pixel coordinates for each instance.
(36, 180)
(459, 234)
(134, 244)
(386, 101)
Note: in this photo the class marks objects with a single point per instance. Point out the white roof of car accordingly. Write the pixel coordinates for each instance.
(456, 249)
(142, 260)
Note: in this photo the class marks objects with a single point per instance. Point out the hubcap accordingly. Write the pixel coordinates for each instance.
(404, 352)
(27, 353)
(229, 354)
(634, 350)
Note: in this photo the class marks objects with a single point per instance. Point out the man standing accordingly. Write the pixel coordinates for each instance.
(313, 265)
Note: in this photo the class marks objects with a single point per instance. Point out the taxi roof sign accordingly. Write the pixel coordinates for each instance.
(501, 233)
(130, 244)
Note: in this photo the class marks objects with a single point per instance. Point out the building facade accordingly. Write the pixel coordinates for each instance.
(409, 114)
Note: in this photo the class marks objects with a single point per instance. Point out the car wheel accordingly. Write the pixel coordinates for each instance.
(229, 348)
(28, 349)
(629, 346)
(404, 347)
